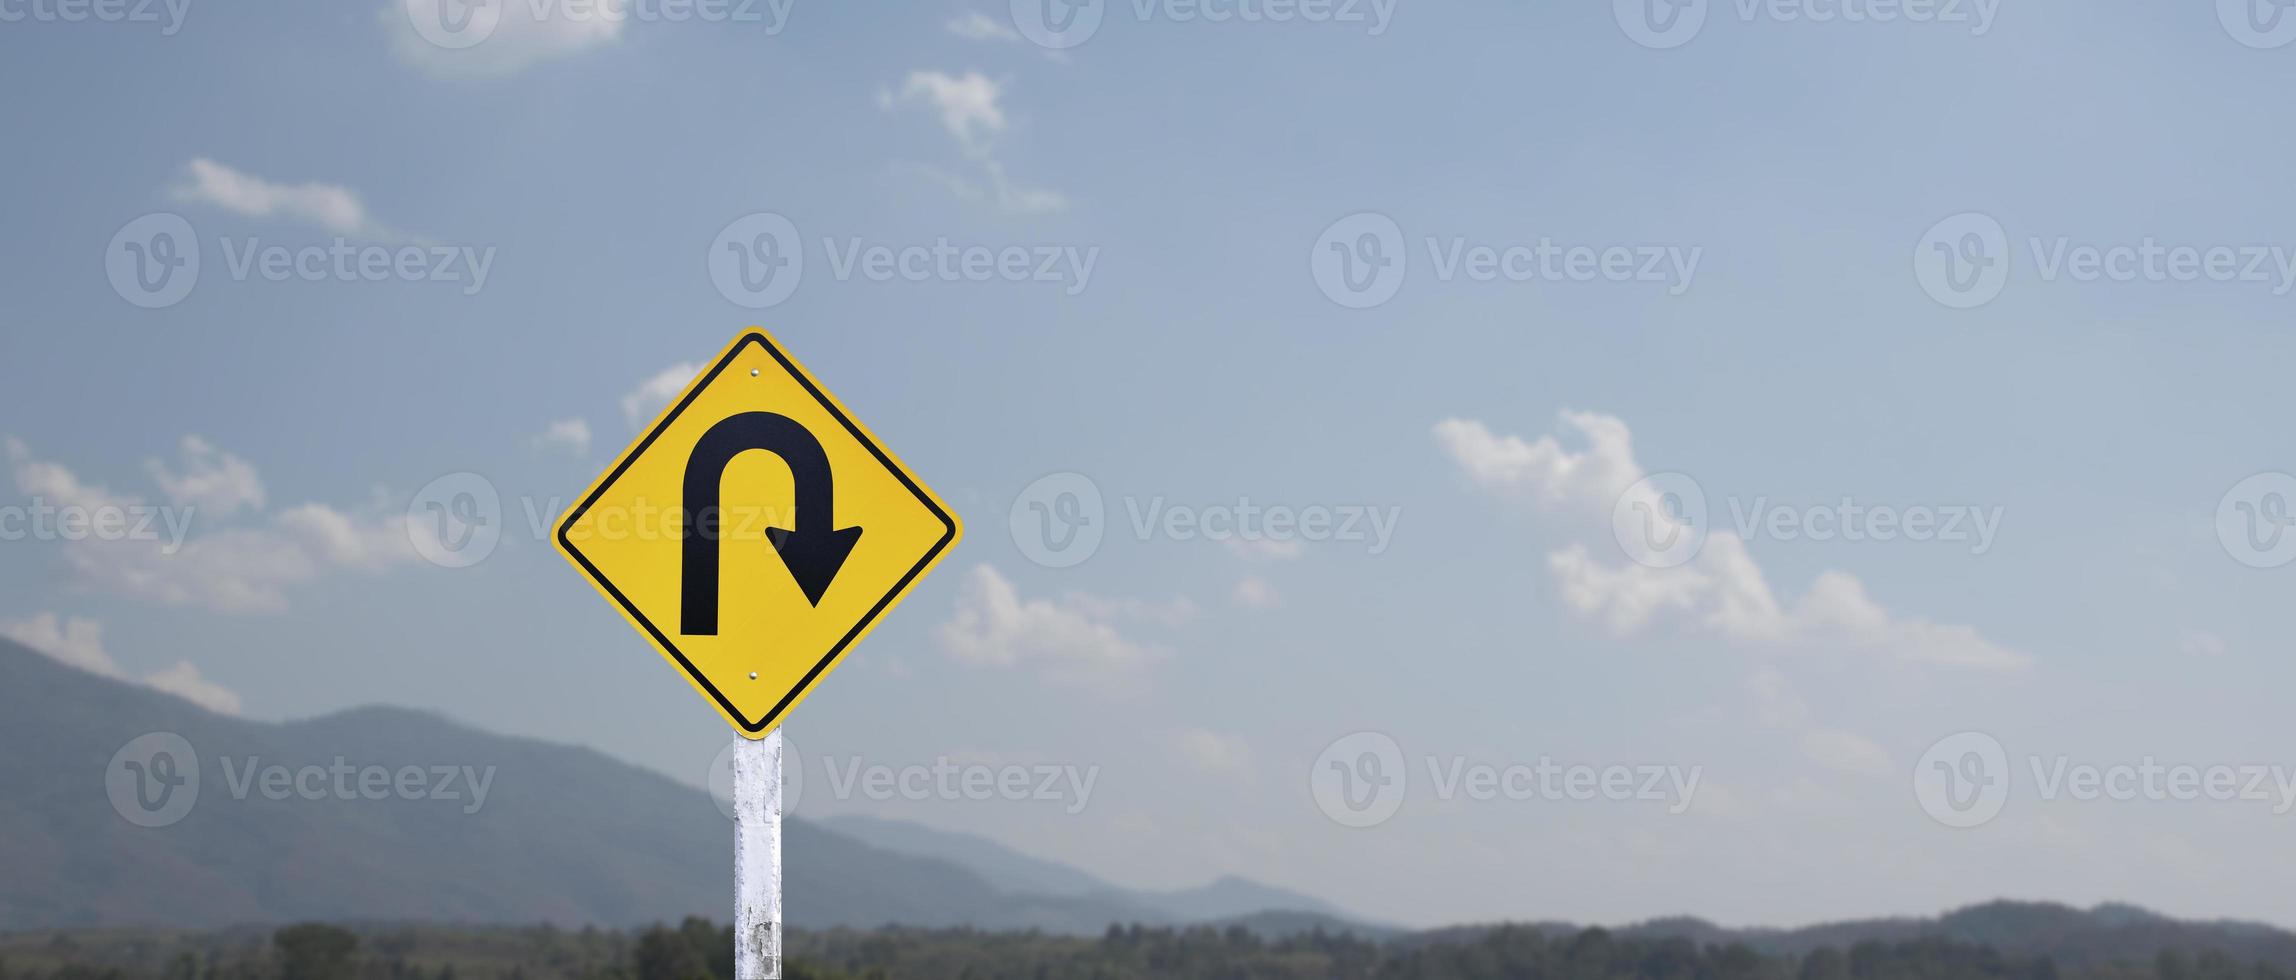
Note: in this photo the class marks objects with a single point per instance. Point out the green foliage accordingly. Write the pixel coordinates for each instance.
(697, 949)
(665, 954)
(315, 951)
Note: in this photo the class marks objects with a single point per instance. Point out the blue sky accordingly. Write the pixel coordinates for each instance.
(1204, 165)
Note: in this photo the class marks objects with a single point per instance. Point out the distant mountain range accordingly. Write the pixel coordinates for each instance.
(2107, 933)
(1016, 873)
(2070, 936)
(565, 835)
(572, 837)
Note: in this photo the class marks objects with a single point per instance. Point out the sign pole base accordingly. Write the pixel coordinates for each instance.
(757, 858)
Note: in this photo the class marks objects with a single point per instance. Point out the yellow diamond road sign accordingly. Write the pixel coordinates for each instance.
(756, 532)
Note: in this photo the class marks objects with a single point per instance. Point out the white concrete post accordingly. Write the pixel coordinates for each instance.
(757, 858)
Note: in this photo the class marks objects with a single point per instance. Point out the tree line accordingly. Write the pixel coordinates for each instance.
(697, 949)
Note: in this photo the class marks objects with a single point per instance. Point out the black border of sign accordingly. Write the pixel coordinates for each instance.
(948, 524)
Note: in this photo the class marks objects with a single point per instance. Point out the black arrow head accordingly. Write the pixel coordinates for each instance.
(814, 559)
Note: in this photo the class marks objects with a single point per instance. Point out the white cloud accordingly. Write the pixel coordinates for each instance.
(2202, 643)
(1257, 593)
(1845, 752)
(519, 40)
(1072, 640)
(966, 103)
(1215, 753)
(1266, 549)
(332, 207)
(75, 641)
(341, 540)
(245, 568)
(970, 107)
(1722, 590)
(958, 185)
(1551, 475)
(570, 435)
(1176, 611)
(184, 681)
(80, 643)
(1023, 200)
(215, 483)
(999, 191)
(649, 398)
(977, 26)
(234, 570)
(1775, 702)
(57, 485)
(1778, 706)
